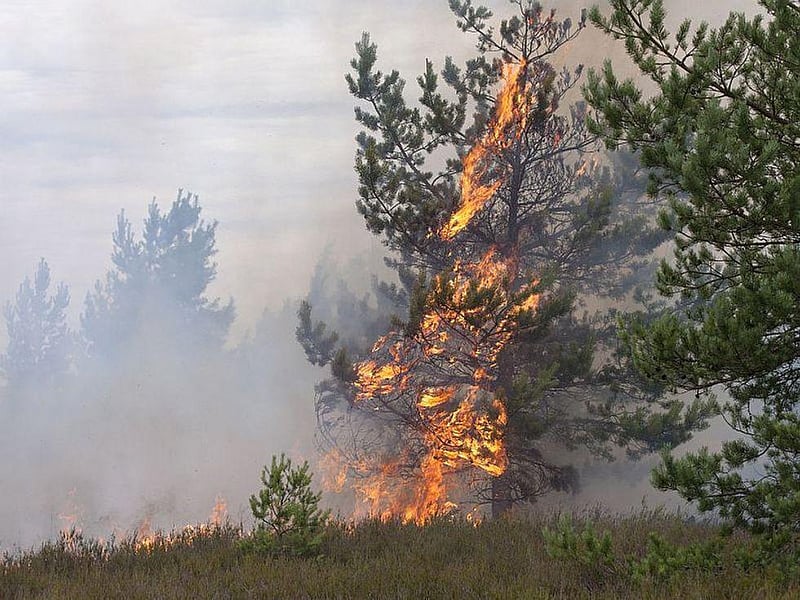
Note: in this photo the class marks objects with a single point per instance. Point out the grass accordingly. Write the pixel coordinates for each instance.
(446, 559)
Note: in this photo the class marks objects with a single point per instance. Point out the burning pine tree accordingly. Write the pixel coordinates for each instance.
(494, 373)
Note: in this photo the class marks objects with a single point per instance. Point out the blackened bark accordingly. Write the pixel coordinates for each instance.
(501, 502)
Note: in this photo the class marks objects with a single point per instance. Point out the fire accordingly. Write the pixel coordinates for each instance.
(146, 539)
(471, 436)
(587, 167)
(416, 502)
(449, 366)
(433, 397)
(71, 522)
(333, 469)
(375, 379)
(510, 118)
(219, 513)
(71, 517)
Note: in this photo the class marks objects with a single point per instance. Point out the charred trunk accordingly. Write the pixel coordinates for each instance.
(501, 486)
(501, 496)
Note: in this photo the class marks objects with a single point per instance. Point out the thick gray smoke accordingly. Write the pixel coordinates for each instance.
(151, 429)
(105, 105)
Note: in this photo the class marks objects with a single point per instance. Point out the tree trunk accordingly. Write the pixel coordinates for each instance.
(501, 502)
(501, 486)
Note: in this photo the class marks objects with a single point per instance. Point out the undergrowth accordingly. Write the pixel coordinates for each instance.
(647, 555)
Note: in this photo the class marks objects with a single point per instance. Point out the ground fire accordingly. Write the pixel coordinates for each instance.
(144, 537)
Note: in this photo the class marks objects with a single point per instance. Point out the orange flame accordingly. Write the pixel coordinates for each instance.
(146, 538)
(375, 379)
(71, 516)
(433, 397)
(417, 502)
(219, 513)
(510, 119)
(333, 469)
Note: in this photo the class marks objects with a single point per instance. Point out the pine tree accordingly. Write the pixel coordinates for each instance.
(39, 342)
(528, 274)
(287, 513)
(720, 136)
(156, 289)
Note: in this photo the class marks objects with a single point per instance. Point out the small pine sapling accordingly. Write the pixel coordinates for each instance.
(287, 513)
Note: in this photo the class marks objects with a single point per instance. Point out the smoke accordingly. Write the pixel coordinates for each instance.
(246, 102)
(157, 436)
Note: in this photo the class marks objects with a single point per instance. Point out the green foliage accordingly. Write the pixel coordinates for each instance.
(593, 551)
(720, 136)
(288, 518)
(499, 559)
(664, 561)
(589, 549)
(318, 344)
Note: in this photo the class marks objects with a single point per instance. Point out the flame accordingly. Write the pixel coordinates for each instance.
(471, 436)
(70, 517)
(421, 499)
(509, 121)
(146, 539)
(374, 379)
(587, 167)
(71, 522)
(219, 513)
(432, 397)
(332, 467)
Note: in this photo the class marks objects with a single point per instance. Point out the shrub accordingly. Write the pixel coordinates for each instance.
(665, 561)
(287, 513)
(590, 550)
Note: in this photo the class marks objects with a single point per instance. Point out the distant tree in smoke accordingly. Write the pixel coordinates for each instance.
(39, 341)
(158, 283)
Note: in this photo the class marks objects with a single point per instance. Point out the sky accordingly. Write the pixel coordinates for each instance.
(106, 105)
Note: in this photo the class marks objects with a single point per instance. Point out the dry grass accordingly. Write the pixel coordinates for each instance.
(446, 559)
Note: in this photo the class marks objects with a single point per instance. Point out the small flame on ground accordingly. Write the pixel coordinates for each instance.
(144, 537)
(219, 514)
(70, 517)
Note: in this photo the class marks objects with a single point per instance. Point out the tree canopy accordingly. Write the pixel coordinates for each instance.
(39, 342)
(514, 247)
(720, 137)
(156, 288)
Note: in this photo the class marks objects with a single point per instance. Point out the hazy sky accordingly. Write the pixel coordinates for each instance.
(104, 105)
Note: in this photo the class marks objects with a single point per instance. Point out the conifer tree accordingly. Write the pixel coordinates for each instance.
(720, 136)
(39, 342)
(156, 289)
(529, 277)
